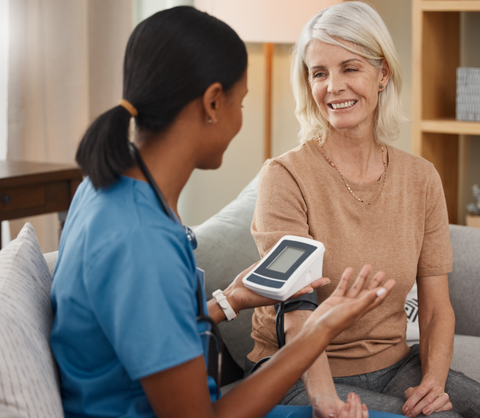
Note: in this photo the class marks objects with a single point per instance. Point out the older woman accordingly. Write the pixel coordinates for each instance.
(367, 202)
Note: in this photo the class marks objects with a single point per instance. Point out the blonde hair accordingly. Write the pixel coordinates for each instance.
(360, 24)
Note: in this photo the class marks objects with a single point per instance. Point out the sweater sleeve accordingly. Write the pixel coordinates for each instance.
(436, 254)
(280, 208)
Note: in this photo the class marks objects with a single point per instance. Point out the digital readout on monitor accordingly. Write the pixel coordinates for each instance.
(285, 259)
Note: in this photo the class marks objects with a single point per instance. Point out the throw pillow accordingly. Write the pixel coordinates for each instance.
(6, 412)
(411, 308)
(28, 376)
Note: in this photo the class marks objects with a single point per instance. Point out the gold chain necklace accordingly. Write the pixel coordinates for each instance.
(329, 161)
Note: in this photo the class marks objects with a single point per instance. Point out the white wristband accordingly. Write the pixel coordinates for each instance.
(223, 303)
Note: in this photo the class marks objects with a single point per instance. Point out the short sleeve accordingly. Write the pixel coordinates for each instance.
(280, 208)
(142, 291)
(436, 253)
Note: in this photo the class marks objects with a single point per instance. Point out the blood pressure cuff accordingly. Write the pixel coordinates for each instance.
(307, 302)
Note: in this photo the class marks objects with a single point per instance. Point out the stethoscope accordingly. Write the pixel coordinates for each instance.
(202, 316)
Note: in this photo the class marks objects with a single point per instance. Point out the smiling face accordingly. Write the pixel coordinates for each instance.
(344, 85)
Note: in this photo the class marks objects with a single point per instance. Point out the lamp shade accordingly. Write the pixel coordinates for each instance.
(271, 21)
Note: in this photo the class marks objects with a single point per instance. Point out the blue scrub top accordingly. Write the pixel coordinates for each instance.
(124, 300)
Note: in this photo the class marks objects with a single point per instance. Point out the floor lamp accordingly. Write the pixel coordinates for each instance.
(268, 22)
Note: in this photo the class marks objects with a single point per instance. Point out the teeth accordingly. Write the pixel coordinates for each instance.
(343, 105)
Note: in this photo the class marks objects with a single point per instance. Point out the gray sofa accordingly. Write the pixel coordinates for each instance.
(225, 249)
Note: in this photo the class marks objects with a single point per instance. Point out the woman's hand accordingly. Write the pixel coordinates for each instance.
(426, 398)
(352, 409)
(241, 298)
(345, 306)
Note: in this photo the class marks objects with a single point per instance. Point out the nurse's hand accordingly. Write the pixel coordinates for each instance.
(241, 298)
(347, 304)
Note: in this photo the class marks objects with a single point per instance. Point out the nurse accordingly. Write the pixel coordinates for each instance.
(126, 293)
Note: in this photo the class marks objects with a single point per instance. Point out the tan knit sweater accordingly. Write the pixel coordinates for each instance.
(404, 233)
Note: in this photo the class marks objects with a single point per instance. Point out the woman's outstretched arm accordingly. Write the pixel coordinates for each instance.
(182, 390)
(318, 379)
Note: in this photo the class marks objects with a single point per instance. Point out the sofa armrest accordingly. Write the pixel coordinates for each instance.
(464, 280)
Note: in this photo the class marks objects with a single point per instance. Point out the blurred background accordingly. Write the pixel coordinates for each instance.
(61, 66)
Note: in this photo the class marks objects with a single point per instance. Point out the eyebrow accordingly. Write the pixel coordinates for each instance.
(322, 67)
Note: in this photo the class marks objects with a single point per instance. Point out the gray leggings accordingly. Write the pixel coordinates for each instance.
(384, 389)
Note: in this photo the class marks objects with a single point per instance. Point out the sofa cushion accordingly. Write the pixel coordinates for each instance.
(226, 248)
(464, 281)
(28, 377)
(465, 356)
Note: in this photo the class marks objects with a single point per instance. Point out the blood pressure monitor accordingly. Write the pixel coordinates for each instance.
(291, 265)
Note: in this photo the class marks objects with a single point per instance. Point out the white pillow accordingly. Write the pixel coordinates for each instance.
(411, 308)
(29, 382)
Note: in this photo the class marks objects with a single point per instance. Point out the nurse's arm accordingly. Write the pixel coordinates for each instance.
(182, 391)
(241, 298)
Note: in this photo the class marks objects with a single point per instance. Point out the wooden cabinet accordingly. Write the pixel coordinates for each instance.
(436, 56)
(30, 189)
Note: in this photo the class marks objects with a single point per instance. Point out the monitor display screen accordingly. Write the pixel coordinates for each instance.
(285, 259)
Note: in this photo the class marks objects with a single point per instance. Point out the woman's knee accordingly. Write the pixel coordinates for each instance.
(375, 401)
(464, 394)
(446, 414)
(296, 396)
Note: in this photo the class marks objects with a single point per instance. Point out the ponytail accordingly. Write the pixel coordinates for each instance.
(103, 153)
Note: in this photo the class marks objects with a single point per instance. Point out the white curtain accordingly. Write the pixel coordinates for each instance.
(65, 68)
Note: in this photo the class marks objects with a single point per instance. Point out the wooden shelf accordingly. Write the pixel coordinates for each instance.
(450, 126)
(450, 5)
(436, 57)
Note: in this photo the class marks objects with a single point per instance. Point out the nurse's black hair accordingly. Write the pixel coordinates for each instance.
(171, 59)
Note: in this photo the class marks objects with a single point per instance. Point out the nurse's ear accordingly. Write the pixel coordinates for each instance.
(211, 102)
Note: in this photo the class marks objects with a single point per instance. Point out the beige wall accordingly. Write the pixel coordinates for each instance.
(145, 8)
(397, 15)
(4, 29)
(65, 68)
(207, 192)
